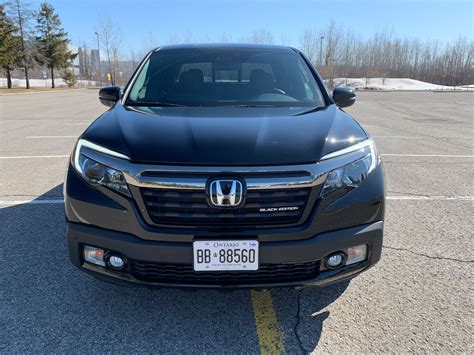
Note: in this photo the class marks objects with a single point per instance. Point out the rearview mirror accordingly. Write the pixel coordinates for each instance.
(109, 95)
(344, 97)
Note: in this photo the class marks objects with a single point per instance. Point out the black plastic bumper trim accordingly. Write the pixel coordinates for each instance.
(270, 252)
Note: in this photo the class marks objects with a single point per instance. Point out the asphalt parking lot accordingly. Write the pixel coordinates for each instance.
(419, 298)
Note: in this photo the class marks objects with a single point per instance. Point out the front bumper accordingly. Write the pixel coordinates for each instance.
(271, 253)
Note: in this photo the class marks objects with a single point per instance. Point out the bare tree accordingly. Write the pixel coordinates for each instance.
(224, 38)
(173, 38)
(134, 59)
(348, 48)
(309, 44)
(111, 41)
(261, 36)
(187, 36)
(151, 41)
(384, 55)
(22, 14)
(332, 45)
(285, 39)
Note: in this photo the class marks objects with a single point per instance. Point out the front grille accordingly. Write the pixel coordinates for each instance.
(190, 208)
(185, 274)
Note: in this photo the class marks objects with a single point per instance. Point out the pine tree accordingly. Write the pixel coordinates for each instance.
(10, 55)
(52, 41)
(69, 78)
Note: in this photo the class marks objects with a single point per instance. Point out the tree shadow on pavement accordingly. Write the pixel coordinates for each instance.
(50, 306)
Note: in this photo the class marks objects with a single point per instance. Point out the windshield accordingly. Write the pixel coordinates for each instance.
(229, 76)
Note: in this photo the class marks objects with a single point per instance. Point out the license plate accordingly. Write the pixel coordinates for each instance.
(225, 255)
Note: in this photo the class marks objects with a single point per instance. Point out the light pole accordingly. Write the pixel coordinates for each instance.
(98, 56)
(321, 52)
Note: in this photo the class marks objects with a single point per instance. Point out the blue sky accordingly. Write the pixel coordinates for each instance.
(208, 19)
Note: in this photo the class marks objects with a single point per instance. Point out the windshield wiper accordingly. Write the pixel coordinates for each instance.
(314, 109)
(251, 105)
(153, 103)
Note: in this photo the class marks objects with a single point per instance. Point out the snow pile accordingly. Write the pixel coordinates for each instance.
(392, 84)
(358, 83)
(45, 83)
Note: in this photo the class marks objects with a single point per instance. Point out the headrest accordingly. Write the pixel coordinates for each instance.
(260, 78)
(192, 77)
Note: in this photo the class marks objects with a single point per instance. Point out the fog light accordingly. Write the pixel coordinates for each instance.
(116, 262)
(356, 254)
(335, 260)
(94, 255)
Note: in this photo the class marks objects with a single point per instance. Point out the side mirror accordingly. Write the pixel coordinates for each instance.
(109, 95)
(344, 97)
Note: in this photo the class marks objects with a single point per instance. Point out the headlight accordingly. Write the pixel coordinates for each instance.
(351, 175)
(96, 173)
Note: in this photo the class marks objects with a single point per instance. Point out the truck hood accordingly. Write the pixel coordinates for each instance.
(224, 135)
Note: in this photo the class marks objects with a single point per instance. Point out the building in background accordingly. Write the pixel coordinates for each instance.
(86, 66)
(84, 59)
(76, 69)
(94, 65)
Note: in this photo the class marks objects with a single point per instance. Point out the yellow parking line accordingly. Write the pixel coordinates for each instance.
(268, 331)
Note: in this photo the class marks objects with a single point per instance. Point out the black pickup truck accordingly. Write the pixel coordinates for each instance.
(225, 166)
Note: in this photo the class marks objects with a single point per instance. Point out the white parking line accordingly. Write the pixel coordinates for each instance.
(398, 137)
(31, 202)
(50, 91)
(431, 198)
(428, 155)
(34, 156)
(401, 198)
(48, 137)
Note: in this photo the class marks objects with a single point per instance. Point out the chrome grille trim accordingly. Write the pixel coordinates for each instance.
(252, 183)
